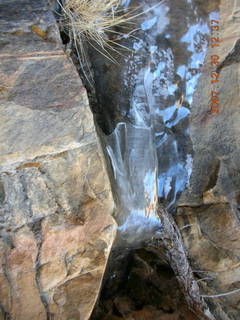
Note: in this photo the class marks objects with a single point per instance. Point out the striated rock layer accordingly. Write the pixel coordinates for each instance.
(210, 207)
(56, 229)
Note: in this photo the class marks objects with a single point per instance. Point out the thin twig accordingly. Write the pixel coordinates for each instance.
(221, 294)
(186, 226)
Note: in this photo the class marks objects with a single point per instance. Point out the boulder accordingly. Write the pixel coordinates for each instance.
(55, 199)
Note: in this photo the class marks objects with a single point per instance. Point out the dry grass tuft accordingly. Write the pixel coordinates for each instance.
(93, 18)
(94, 22)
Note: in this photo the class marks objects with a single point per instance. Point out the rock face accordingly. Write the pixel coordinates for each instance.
(55, 200)
(210, 207)
(56, 229)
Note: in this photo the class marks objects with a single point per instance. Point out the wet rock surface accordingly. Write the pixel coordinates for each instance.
(56, 229)
(142, 109)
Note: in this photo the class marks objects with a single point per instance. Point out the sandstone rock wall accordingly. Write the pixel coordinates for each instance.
(210, 207)
(55, 200)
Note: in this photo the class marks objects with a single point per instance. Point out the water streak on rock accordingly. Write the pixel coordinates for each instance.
(149, 147)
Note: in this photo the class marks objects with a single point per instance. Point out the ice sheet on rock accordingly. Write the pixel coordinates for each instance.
(132, 156)
(149, 152)
(169, 99)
